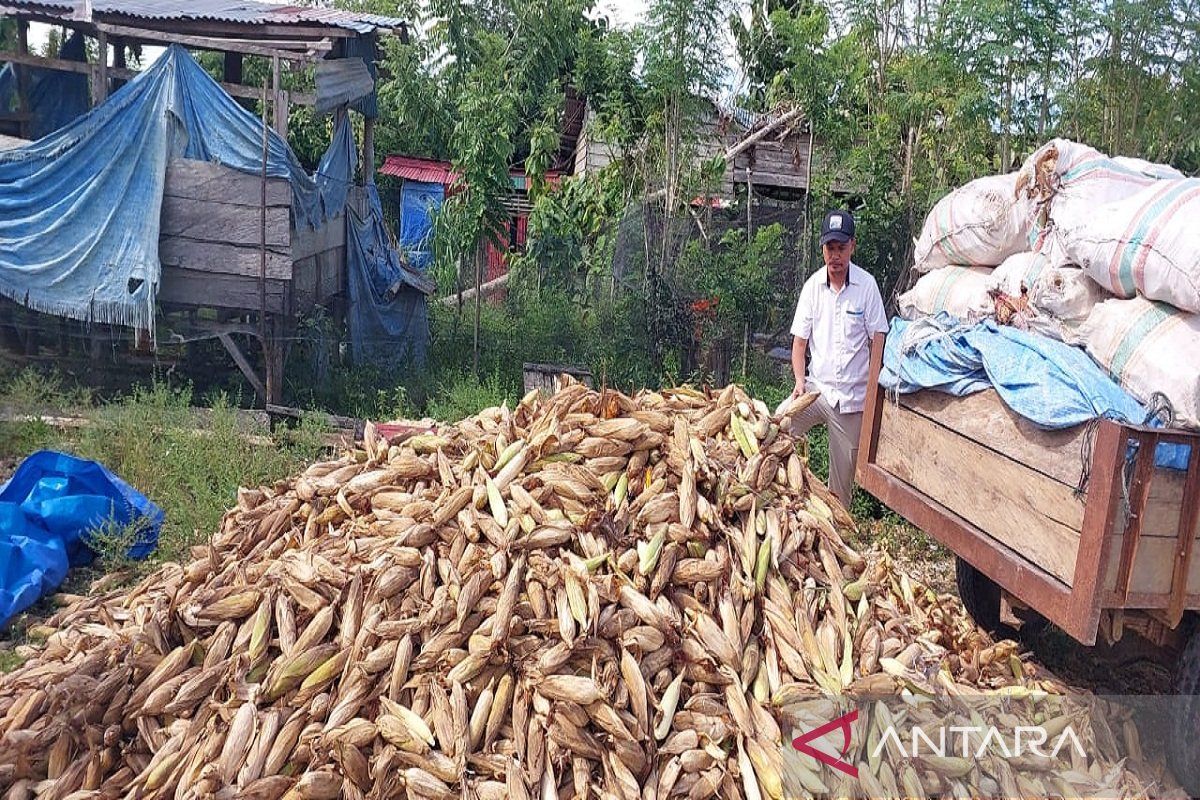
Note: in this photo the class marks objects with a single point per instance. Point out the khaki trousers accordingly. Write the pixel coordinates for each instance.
(843, 442)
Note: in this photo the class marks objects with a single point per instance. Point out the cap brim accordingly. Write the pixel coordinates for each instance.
(836, 236)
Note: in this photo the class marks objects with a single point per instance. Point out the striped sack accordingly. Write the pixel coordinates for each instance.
(1148, 244)
(1066, 180)
(1066, 294)
(981, 223)
(1020, 269)
(1148, 347)
(960, 291)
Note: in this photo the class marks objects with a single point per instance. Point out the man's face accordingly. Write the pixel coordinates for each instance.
(837, 256)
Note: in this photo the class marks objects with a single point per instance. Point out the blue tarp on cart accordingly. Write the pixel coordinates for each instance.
(1050, 383)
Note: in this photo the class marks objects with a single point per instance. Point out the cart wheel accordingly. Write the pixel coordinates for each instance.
(1182, 753)
(981, 597)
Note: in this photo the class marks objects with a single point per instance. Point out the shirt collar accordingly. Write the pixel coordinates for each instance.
(849, 276)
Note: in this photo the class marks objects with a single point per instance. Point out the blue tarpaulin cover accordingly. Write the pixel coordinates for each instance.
(55, 98)
(47, 510)
(419, 204)
(389, 321)
(79, 209)
(1051, 384)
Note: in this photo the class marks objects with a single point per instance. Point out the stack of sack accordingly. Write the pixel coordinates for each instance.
(1101, 252)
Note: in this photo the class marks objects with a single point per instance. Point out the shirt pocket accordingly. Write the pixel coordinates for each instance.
(854, 326)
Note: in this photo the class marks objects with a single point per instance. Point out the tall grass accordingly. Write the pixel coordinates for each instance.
(190, 464)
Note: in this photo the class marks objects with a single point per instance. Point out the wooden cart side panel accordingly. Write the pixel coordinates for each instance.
(1039, 589)
(1095, 552)
(1076, 610)
(983, 417)
(1034, 515)
(1163, 573)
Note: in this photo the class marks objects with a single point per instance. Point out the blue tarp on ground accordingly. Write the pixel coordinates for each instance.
(47, 510)
(56, 98)
(1052, 384)
(79, 209)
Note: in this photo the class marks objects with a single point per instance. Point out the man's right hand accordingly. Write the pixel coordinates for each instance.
(799, 390)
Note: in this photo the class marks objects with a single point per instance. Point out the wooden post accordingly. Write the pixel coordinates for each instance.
(118, 46)
(23, 78)
(479, 257)
(262, 273)
(368, 168)
(100, 75)
(232, 71)
(276, 353)
(278, 97)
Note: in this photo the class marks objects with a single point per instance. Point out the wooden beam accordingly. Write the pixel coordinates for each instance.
(294, 98)
(207, 182)
(469, 294)
(201, 42)
(216, 29)
(280, 100)
(243, 365)
(224, 223)
(191, 288)
(322, 45)
(1139, 490)
(1188, 513)
(59, 64)
(226, 259)
(761, 133)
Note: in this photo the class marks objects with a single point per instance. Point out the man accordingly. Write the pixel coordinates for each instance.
(839, 310)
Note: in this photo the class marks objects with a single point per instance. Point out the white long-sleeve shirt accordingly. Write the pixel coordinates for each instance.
(838, 326)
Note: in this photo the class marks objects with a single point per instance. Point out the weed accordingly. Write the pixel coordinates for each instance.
(112, 543)
(9, 660)
(153, 440)
(465, 395)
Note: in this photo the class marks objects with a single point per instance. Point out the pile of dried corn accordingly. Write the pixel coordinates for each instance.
(588, 596)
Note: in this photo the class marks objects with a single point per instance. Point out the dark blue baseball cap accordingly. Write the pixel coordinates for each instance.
(838, 226)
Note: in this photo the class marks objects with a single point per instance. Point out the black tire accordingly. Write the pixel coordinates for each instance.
(981, 597)
(1183, 745)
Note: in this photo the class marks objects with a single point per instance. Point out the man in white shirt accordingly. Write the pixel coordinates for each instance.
(839, 310)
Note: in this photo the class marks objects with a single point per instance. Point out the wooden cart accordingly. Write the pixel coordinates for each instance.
(1077, 525)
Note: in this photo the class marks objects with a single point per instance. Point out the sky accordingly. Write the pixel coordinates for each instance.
(623, 13)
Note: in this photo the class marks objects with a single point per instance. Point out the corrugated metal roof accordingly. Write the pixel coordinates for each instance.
(247, 12)
(428, 170)
(425, 170)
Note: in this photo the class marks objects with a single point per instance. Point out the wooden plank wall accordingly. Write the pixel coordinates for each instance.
(774, 164)
(781, 164)
(211, 222)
